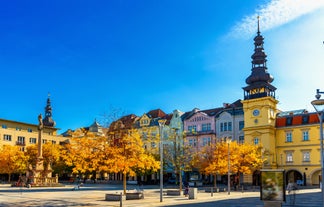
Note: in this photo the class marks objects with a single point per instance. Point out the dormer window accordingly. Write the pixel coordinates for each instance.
(289, 121)
(305, 119)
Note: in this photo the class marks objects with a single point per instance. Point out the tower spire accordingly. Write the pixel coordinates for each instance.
(259, 82)
(48, 120)
(258, 25)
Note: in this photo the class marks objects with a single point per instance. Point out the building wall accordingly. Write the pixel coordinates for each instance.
(24, 134)
(235, 132)
(196, 135)
(298, 149)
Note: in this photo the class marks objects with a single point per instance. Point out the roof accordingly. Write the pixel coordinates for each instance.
(156, 113)
(297, 119)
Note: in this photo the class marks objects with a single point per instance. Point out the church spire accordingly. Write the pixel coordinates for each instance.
(259, 82)
(48, 120)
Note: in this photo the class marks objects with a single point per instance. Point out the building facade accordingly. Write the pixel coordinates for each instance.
(22, 134)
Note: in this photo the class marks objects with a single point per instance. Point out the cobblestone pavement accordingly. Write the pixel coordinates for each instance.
(94, 195)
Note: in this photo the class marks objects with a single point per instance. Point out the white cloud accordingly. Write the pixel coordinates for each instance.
(274, 14)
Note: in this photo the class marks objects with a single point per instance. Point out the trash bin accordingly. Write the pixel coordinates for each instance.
(193, 193)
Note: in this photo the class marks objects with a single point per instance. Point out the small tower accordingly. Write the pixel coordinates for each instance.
(48, 120)
(260, 104)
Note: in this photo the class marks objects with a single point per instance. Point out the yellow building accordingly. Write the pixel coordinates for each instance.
(290, 139)
(24, 134)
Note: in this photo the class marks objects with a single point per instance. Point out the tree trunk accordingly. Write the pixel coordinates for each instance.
(215, 180)
(180, 181)
(124, 183)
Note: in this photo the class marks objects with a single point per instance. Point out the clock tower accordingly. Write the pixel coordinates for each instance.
(260, 104)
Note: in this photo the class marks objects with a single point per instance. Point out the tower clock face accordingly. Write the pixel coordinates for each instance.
(256, 112)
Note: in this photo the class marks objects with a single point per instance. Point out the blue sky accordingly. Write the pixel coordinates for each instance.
(92, 56)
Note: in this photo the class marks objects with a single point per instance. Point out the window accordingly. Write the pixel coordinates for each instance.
(4, 126)
(289, 121)
(289, 157)
(18, 128)
(229, 126)
(305, 119)
(32, 140)
(29, 130)
(192, 128)
(53, 142)
(21, 140)
(288, 137)
(305, 136)
(241, 125)
(7, 137)
(256, 141)
(153, 145)
(306, 156)
(226, 126)
(44, 141)
(192, 142)
(222, 127)
(206, 141)
(241, 139)
(206, 127)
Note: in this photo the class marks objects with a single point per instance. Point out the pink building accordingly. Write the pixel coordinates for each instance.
(200, 127)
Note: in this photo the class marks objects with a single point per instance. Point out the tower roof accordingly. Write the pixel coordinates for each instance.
(259, 79)
(48, 120)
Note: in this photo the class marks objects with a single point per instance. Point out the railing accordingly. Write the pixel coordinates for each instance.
(193, 133)
(20, 143)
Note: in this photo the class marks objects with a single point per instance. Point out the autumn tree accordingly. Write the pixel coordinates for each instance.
(51, 154)
(127, 156)
(177, 155)
(12, 160)
(244, 158)
(83, 154)
(212, 160)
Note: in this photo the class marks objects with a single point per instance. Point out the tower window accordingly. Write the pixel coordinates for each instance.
(4, 126)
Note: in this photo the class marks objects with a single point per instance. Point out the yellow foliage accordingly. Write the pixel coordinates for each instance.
(12, 160)
(244, 158)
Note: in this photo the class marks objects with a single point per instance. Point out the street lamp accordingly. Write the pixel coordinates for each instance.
(228, 141)
(319, 107)
(161, 125)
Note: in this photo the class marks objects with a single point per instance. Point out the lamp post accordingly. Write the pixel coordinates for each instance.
(161, 125)
(228, 141)
(319, 107)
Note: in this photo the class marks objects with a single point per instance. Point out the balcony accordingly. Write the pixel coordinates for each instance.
(20, 143)
(195, 133)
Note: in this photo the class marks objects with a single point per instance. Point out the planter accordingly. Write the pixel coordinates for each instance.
(174, 192)
(114, 197)
(134, 196)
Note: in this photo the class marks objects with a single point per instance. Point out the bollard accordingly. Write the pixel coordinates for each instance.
(121, 200)
(212, 189)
